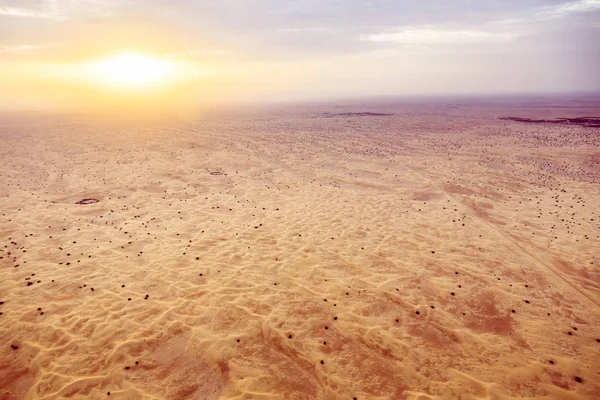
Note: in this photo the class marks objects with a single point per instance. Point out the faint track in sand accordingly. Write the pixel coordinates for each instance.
(504, 235)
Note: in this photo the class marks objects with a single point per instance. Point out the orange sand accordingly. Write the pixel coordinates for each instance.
(374, 257)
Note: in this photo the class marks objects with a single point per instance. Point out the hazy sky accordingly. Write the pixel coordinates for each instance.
(274, 49)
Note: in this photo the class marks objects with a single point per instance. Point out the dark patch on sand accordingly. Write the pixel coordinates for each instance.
(88, 201)
(590, 122)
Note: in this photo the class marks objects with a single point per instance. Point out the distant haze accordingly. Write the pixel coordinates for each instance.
(252, 50)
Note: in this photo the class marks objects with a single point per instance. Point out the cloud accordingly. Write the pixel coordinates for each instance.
(428, 35)
(561, 10)
(27, 13)
(17, 49)
(298, 29)
(25, 48)
(571, 7)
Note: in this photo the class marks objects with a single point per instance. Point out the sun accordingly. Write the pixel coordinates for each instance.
(132, 69)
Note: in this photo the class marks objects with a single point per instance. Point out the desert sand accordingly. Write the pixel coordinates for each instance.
(305, 252)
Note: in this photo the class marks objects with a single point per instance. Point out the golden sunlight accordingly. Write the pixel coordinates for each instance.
(132, 69)
(124, 82)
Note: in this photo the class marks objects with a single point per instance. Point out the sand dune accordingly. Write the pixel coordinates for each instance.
(436, 253)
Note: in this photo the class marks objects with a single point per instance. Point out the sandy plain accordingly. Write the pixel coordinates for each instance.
(303, 253)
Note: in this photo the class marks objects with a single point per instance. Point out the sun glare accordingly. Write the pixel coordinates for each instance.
(133, 69)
